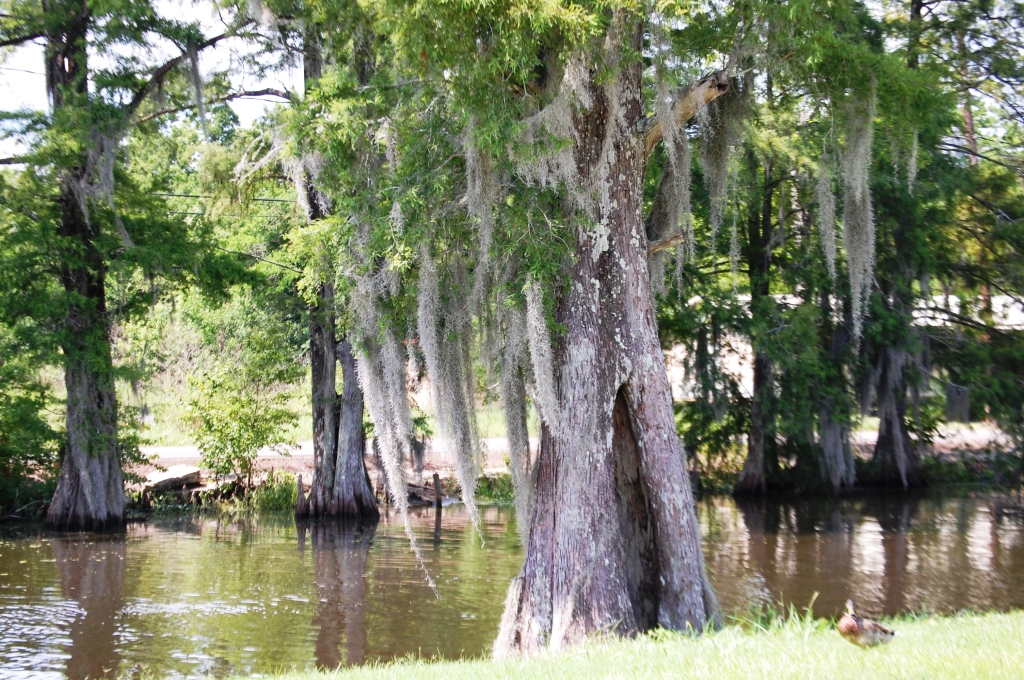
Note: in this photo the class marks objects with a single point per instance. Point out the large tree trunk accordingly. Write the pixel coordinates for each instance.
(353, 492)
(90, 490)
(614, 544)
(341, 486)
(323, 362)
(837, 464)
(753, 477)
(895, 454)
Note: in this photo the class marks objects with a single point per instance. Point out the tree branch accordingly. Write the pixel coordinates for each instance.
(261, 259)
(960, 319)
(670, 241)
(970, 152)
(161, 73)
(269, 92)
(697, 95)
(18, 40)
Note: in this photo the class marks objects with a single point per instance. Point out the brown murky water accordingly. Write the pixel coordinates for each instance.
(207, 597)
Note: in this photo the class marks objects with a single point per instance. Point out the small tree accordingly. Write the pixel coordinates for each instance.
(238, 403)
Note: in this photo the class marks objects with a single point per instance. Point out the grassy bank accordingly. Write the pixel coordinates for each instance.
(969, 646)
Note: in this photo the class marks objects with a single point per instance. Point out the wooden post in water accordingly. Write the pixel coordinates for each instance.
(437, 491)
(301, 505)
(437, 508)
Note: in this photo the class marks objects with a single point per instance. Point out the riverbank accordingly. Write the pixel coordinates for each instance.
(968, 646)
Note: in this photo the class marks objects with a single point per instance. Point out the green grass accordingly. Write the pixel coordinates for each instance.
(969, 646)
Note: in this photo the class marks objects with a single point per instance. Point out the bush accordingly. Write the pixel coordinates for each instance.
(25, 497)
(29, 447)
(279, 491)
(238, 403)
(495, 488)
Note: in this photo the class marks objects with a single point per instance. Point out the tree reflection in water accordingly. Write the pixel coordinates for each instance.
(895, 517)
(340, 556)
(825, 551)
(92, 574)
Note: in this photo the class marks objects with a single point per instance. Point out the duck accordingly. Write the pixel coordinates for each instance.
(860, 631)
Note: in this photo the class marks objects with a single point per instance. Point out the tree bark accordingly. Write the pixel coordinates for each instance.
(837, 463)
(341, 486)
(90, 489)
(323, 363)
(753, 477)
(614, 545)
(895, 453)
(837, 467)
(352, 489)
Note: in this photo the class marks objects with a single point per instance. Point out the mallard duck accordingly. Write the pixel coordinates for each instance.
(861, 631)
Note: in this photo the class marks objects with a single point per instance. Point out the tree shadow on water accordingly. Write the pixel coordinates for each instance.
(341, 552)
(92, 575)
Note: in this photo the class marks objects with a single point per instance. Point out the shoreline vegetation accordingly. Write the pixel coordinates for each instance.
(275, 490)
(966, 645)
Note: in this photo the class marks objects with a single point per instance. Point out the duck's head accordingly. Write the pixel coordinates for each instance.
(850, 608)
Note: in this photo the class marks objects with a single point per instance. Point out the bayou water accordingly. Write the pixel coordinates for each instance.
(216, 597)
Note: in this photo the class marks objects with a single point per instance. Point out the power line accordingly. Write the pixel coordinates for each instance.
(264, 200)
(21, 70)
(261, 259)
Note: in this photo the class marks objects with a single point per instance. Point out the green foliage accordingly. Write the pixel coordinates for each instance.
(996, 467)
(29, 444)
(238, 400)
(495, 488)
(277, 492)
(712, 419)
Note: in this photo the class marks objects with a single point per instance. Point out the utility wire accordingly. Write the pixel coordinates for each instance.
(264, 200)
(261, 259)
(21, 70)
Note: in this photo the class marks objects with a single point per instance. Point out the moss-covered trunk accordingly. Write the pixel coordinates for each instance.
(614, 545)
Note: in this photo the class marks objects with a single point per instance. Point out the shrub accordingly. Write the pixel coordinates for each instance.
(279, 491)
(29, 446)
(238, 403)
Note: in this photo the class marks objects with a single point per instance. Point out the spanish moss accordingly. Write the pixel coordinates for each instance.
(443, 332)
(858, 215)
(827, 213)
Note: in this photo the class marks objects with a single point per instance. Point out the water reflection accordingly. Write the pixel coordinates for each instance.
(92, 575)
(216, 597)
(892, 553)
(341, 551)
